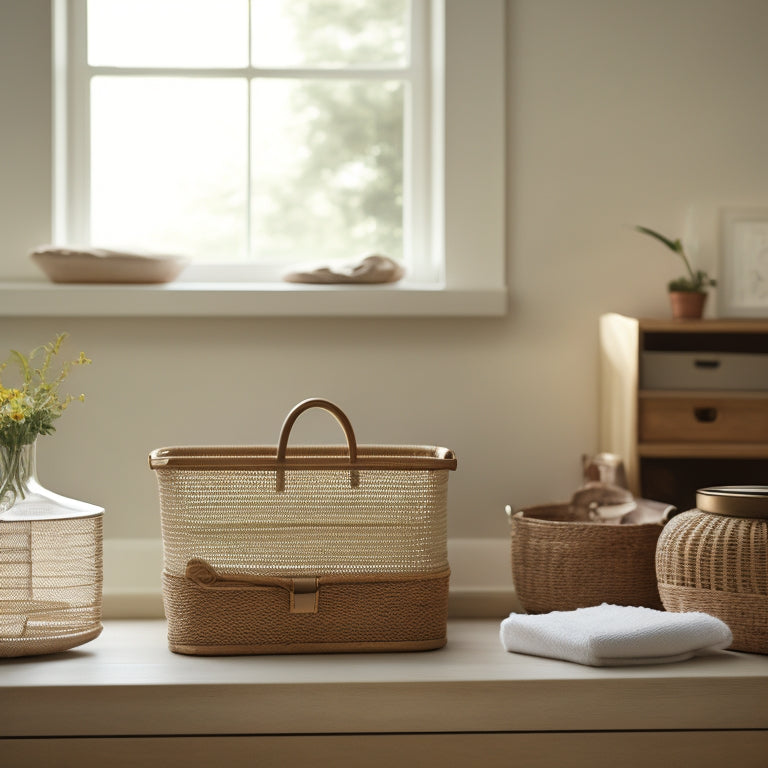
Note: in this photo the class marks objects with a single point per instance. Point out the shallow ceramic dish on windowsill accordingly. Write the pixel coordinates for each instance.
(97, 265)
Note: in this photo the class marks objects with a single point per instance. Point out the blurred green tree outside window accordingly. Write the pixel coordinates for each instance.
(240, 132)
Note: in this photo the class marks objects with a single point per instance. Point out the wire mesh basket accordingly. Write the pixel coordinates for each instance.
(304, 549)
(50, 569)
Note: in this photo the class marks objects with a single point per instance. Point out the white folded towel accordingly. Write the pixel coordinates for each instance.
(614, 635)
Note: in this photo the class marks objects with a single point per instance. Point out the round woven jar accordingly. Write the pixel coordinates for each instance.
(714, 559)
(560, 564)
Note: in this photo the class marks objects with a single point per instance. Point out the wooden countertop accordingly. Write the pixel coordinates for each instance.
(126, 682)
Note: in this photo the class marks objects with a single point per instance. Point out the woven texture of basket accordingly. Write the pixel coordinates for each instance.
(308, 548)
(393, 521)
(355, 613)
(50, 585)
(559, 564)
(718, 565)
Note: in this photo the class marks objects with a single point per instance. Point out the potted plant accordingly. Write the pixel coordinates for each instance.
(687, 294)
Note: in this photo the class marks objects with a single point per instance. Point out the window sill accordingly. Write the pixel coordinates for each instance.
(39, 299)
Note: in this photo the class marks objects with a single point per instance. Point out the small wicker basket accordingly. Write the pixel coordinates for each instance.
(560, 564)
(715, 559)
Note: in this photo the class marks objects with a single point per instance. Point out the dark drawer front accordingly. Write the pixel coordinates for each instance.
(716, 419)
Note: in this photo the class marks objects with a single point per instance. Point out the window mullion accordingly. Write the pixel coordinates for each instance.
(417, 244)
(75, 163)
(249, 144)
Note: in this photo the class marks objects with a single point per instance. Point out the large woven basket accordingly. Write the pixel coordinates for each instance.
(718, 565)
(304, 549)
(560, 564)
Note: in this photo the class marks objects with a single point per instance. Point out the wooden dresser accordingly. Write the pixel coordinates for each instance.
(685, 403)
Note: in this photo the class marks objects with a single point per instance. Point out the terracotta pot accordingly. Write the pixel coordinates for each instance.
(688, 305)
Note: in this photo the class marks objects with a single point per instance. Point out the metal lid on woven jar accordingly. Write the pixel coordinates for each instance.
(734, 500)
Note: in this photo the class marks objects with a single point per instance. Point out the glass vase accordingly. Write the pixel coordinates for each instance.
(50, 562)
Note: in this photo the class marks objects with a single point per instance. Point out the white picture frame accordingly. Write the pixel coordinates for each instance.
(743, 283)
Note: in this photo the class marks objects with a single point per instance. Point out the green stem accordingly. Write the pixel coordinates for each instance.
(673, 245)
(687, 265)
(12, 480)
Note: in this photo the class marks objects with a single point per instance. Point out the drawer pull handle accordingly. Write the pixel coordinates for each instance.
(711, 364)
(705, 415)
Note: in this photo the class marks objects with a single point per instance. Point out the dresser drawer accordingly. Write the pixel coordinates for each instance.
(704, 419)
(703, 370)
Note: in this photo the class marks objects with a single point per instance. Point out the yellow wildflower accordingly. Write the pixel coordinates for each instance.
(9, 394)
(31, 409)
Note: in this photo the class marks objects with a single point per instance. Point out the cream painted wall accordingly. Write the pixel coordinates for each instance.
(619, 112)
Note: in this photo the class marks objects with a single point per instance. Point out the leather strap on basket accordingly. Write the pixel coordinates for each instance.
(290, 419)
(303, 590)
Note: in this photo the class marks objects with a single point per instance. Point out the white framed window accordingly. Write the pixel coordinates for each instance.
(249, 135)
(443, 69)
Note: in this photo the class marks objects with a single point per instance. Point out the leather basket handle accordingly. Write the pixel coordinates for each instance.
(290, 420)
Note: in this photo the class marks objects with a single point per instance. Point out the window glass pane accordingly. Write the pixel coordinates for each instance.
(329, 33)
(327, 169)
(168, 33)
(169, 165)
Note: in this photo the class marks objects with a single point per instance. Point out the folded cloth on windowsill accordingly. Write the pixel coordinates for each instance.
(614, 635)
(370, 270)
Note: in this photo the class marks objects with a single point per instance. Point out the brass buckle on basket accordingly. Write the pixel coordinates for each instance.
(304, 592)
